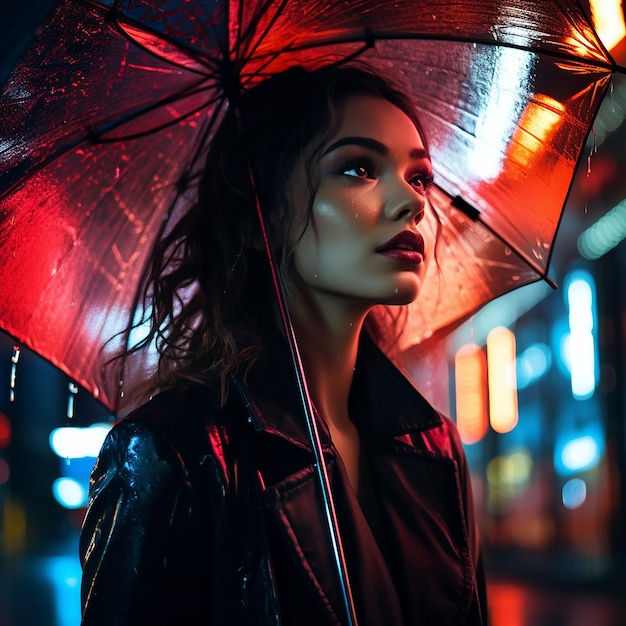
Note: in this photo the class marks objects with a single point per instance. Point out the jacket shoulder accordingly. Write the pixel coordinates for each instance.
(189, 420)
(177, 408)
(156, 500)
(182, 414)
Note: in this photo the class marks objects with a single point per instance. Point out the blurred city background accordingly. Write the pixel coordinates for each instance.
(536, 383)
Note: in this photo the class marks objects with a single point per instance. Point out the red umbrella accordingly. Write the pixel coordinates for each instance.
(108, 112)
(109, 108)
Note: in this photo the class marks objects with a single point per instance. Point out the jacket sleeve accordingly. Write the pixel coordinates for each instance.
(145, 544)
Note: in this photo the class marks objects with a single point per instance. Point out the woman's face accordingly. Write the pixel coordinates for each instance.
(362, 243)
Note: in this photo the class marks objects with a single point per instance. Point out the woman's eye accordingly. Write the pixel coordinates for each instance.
(358, 170)
(421, 182)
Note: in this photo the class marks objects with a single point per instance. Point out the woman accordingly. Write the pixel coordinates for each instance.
(203, 504)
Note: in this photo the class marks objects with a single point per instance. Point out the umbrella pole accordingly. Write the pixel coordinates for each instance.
(313, 430)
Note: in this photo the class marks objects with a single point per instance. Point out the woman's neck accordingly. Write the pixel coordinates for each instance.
(328, 339)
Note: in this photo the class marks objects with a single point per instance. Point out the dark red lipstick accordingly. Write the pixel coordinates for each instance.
(407, 246)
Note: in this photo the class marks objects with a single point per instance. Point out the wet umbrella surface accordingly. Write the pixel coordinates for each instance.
(109, 112)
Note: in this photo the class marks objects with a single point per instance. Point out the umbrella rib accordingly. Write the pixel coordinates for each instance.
(249, 52)
(96, 136)
(367, 44)
(118, 18)
(372, 36)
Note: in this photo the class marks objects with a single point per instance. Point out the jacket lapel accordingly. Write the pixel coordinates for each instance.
(388, 407)
(383, 402)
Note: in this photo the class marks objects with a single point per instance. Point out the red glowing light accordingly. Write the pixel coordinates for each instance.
(5, 431)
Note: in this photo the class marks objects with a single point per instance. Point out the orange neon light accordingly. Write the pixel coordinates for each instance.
(470, 375)
(502, 377)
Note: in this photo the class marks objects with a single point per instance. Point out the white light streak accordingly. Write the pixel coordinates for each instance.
(69, 442)
(581, 342)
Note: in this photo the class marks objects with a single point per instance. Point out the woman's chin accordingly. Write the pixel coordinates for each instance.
(402, 295)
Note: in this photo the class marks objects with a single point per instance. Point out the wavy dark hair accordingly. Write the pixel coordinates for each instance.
(214, 251)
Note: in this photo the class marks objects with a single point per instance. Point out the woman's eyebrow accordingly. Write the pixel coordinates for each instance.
(372, 144)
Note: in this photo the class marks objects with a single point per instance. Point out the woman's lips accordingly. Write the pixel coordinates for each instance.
(407, 247)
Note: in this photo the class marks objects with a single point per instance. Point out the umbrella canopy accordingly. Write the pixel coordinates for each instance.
(111, 106)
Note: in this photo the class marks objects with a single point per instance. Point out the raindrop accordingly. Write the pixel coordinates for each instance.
(73, 389)
(397, 290)
(14, 361)
(613, 116)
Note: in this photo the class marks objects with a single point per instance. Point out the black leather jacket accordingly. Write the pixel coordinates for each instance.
(208, 515)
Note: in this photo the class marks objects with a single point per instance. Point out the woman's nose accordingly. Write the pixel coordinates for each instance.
(406, 204)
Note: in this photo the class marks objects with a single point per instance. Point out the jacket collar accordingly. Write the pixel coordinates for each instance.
(383, 403)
